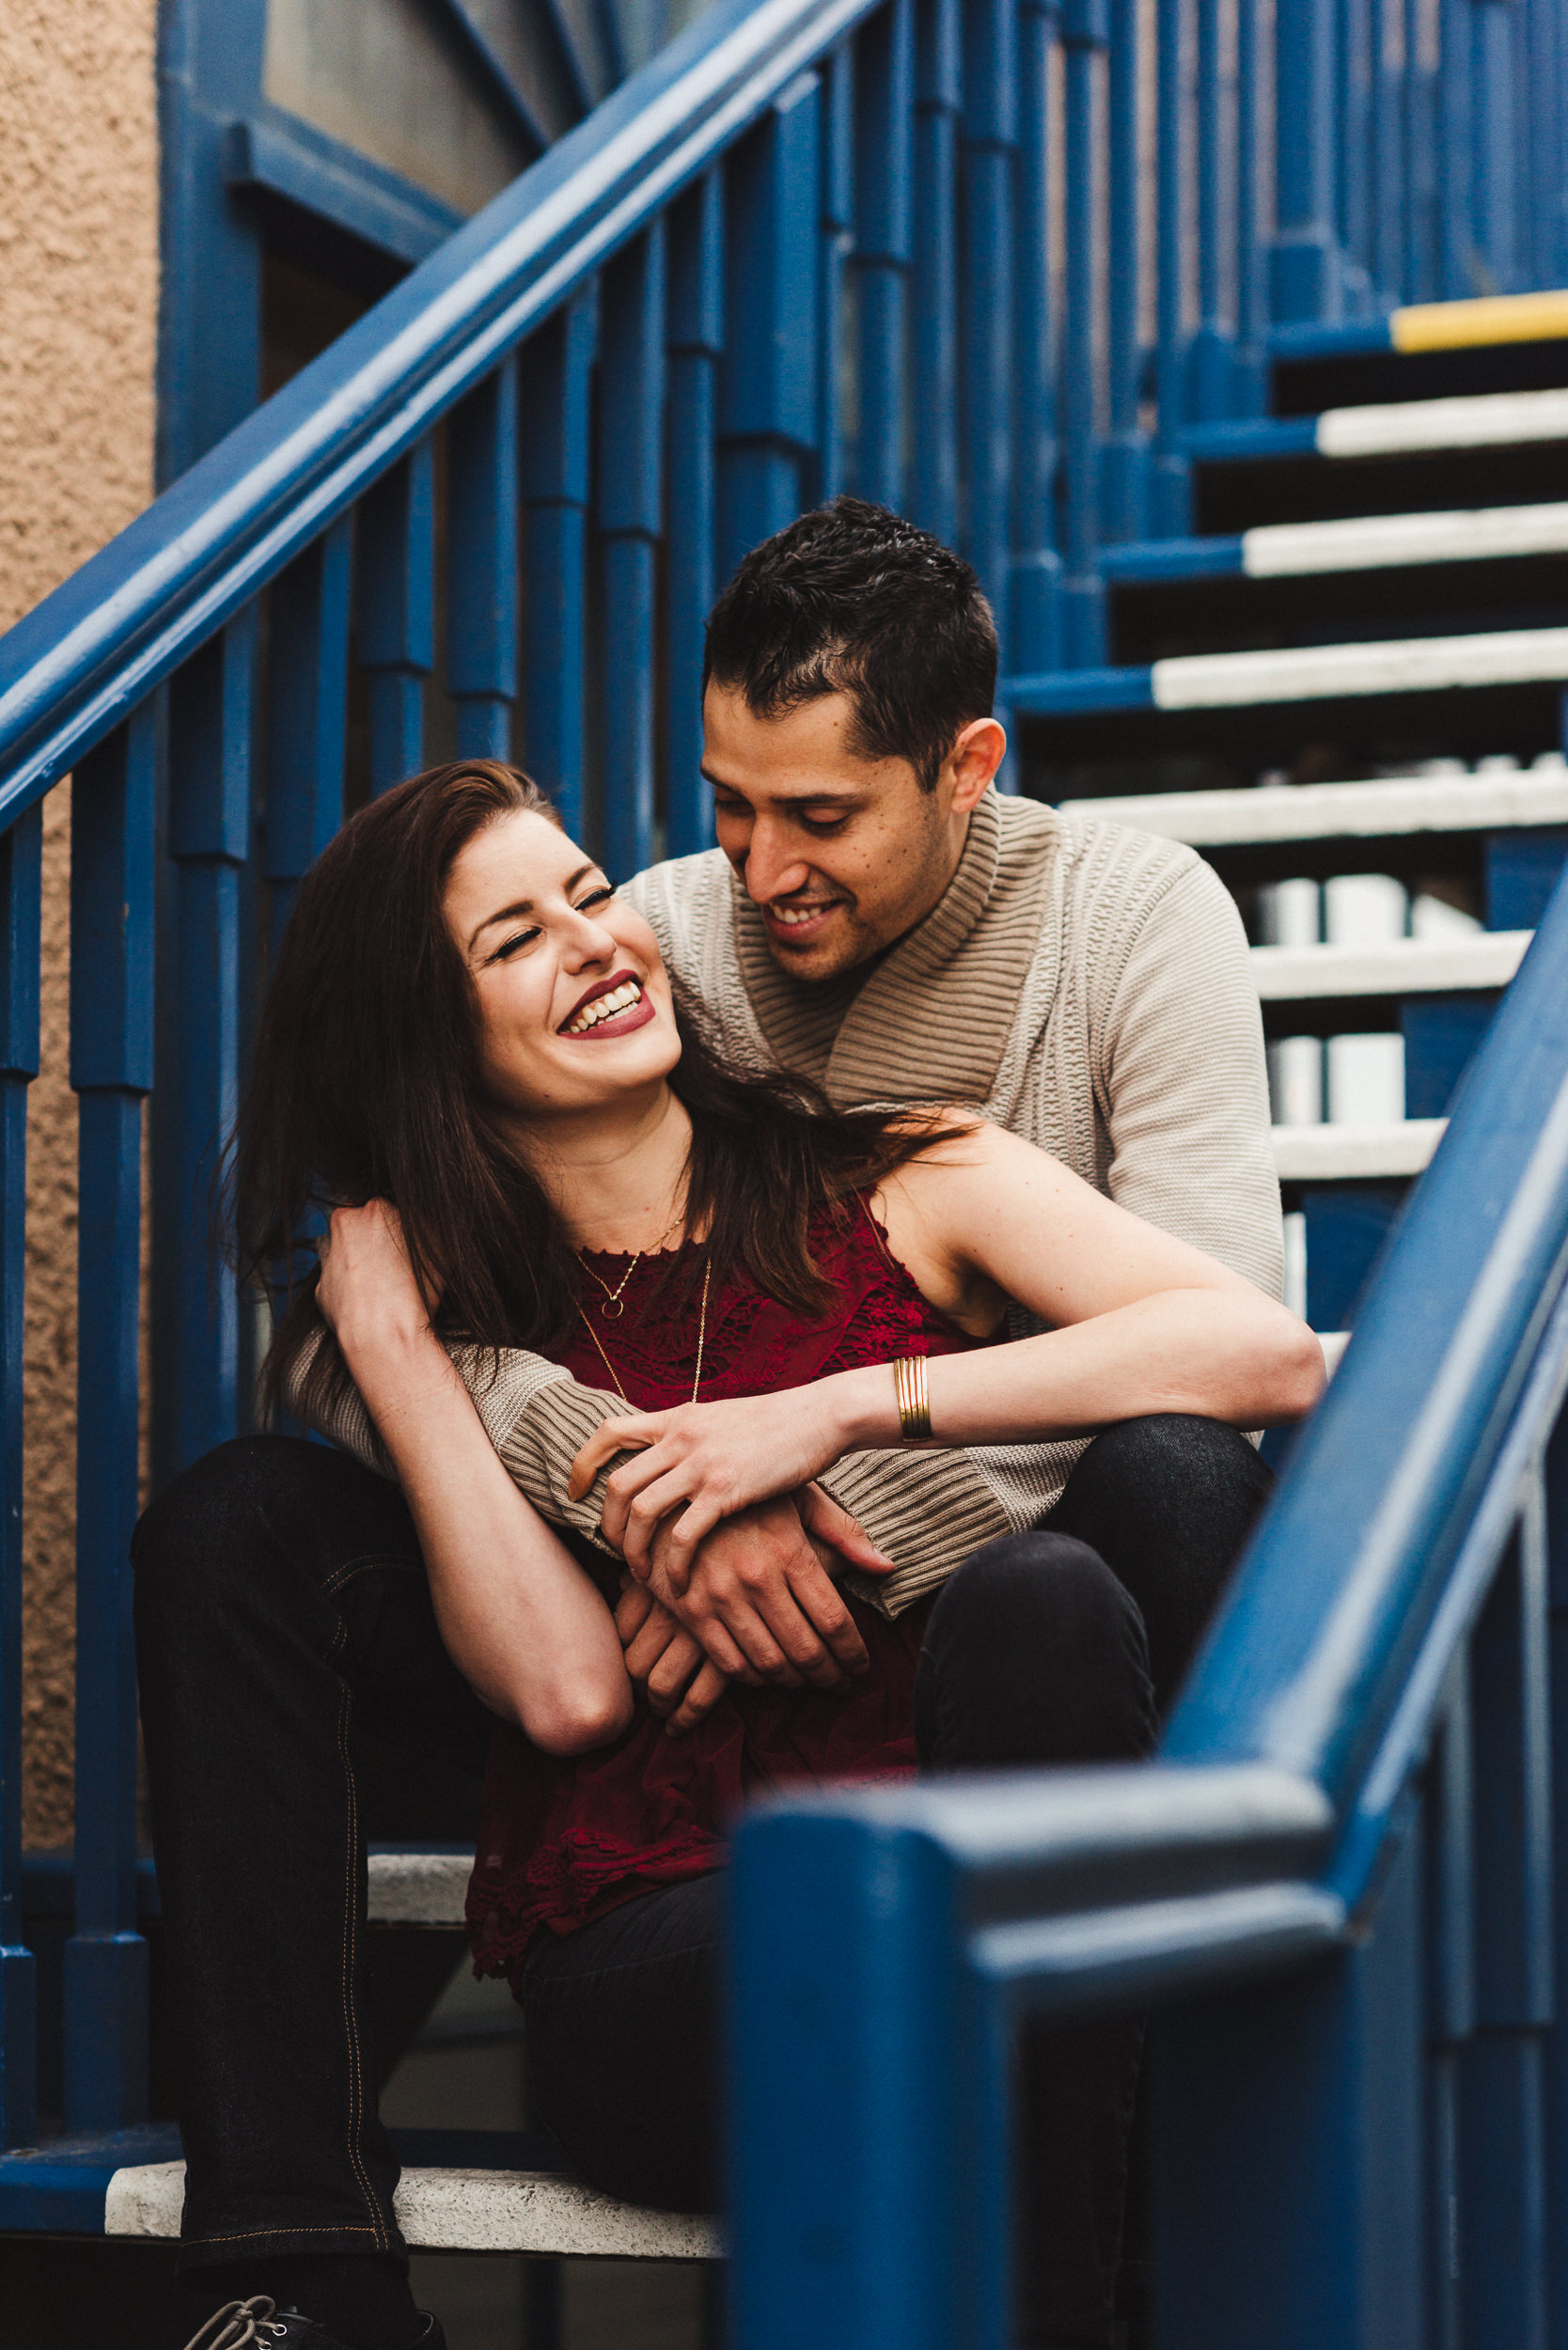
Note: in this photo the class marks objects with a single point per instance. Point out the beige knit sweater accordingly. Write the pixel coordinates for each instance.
(1086, 985)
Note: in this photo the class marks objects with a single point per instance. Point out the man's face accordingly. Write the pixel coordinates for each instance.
(842, 853)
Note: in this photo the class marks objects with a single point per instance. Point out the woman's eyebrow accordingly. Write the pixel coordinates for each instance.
(526, 905)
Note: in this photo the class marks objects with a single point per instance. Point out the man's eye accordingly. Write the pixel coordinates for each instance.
(820, 825)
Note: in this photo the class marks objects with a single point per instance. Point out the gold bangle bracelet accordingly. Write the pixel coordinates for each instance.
(912, 1387)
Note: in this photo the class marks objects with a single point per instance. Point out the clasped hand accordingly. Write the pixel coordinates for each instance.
(699, 1463)
(732, 1545)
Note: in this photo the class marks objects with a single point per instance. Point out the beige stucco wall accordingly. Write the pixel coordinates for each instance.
(78, 315)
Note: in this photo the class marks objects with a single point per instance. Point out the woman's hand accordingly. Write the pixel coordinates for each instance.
(367, 1292)
(703, 1462)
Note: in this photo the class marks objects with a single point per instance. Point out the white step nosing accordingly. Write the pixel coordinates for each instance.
(1413, 664)
(1375, 808)
(1330, 1154)
(1479, 420)
(461, 2210)
(1384, 541)
(418, 1888)
(1405, 966)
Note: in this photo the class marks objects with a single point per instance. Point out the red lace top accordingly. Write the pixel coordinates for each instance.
(563, 1841)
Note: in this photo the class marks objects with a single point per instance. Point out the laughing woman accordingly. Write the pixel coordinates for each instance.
(471, 1060)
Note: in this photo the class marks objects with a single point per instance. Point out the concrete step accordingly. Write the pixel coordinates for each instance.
(1386, 428)
(1331, 1155)
(418, 1888)
(480, 2205)
(1377, 808)
(1298, 673)
(1402, 966)
(1359, 544)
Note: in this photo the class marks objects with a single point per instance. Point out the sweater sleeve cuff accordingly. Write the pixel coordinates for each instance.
(927, 1510)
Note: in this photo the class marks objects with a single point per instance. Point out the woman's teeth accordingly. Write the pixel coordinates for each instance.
(605, 1007)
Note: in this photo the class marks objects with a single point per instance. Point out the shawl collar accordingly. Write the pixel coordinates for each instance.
(931, 1021)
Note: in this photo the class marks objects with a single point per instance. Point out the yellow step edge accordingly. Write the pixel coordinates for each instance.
(1530, 318)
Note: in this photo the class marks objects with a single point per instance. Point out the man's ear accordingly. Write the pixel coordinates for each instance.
(973, 761)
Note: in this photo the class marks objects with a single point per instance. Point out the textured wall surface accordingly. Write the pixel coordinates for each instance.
(78, 316)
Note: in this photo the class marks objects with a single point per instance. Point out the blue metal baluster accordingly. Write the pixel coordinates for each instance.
(1124, 499)
(1249, 370)
(1448, 1820)
(990, 161)
(1542, 226)
(1172, 475)
(1286, 2127)
(21, 853)
(481, 565)
(307, 656)
(695, 330)
(1307, 263)
(937, 50)
(834, 382)
(1355, 146)
(1036, 630)
(1556, 1536)
(211, 702)
(1420, 280)
(1502, 2070)
(1459, 273)
(395, 637)
(1085, 32)
(113, 798)
(1491, 87)
(884, 164)
(848, 2097)
(1210, 358)
(768, 416)
(631, 456)
(557, 368)
(1387, 257)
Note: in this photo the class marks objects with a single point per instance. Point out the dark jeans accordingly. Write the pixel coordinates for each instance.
(286, 1635)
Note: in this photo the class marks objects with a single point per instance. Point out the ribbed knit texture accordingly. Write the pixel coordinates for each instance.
(1088, 988)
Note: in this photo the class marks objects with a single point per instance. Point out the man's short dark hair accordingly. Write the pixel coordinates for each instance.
(853, 599)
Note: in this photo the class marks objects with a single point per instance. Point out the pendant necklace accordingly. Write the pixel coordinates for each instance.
(612, 1310)
(615, 1294)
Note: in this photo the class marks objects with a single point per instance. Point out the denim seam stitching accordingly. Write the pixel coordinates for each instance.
(345, 1574)
(243, 2235)
(356, 2086)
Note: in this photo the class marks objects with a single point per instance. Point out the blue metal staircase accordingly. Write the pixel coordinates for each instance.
(1267, 480)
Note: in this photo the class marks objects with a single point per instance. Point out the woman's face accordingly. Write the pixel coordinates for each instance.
(573, 999)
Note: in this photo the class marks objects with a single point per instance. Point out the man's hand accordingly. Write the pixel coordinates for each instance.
(665, 1661)
(759, 1597)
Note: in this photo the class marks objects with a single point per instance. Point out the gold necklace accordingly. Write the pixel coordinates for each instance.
(701, 1337)
(613, 1296)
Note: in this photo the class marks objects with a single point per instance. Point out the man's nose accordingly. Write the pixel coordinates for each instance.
(774, 866)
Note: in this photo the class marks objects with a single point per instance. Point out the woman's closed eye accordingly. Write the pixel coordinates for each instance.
(509, 946)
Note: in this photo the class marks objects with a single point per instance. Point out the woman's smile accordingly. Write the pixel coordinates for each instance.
(612, 1007)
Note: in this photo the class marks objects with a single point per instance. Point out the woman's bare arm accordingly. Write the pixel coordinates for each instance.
(1141, 1324)
(521, 1621)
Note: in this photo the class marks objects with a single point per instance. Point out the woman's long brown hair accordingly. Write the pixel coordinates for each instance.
(366, 1084)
